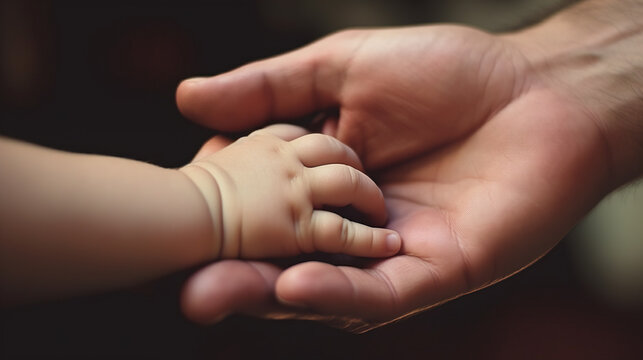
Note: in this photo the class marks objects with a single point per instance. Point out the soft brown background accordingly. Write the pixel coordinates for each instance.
(99, 77)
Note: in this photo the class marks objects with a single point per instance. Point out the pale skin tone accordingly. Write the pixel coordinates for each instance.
(75, 224)
(488, 149)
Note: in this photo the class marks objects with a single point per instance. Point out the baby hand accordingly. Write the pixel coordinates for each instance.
(266, 195)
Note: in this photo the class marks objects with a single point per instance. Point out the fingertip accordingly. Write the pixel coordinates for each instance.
(290, 285)
(195, 304)
(227, 287)
(232, 101)
(385, 243)
(185, 93)
(393, 243)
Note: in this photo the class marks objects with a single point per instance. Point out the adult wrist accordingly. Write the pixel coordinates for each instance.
(593, 52)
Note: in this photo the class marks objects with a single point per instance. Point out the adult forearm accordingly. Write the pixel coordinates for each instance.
(593, 52)
(72, 223)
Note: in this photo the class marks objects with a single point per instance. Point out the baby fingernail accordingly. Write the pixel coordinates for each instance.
(393, 242)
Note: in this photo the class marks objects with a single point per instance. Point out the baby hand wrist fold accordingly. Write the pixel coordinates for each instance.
(208, 186)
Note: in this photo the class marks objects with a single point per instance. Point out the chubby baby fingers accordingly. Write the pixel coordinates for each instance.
(332, 233)
(341, 185)
(318, 149)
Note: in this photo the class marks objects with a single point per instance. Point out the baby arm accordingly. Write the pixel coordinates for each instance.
(72, 223)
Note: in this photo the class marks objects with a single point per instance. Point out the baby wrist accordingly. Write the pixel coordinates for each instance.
(208, 188)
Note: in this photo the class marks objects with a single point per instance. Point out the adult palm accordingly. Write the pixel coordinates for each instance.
(484, 160)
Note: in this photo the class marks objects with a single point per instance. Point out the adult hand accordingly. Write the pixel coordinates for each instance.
(498, 154)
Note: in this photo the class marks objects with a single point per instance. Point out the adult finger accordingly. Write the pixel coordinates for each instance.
(392, 288)
(286, 86)
(227, 287)
(246, 287)
(340, 185)
(338, 290)
(331, 233)
(318, 149)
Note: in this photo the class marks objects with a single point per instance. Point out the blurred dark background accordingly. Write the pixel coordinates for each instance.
(99, 77)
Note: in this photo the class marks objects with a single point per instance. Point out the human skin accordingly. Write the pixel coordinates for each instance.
(73, 224)
(267, 197)
(488, 149)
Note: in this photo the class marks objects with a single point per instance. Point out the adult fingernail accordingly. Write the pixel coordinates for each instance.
(393, 242)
